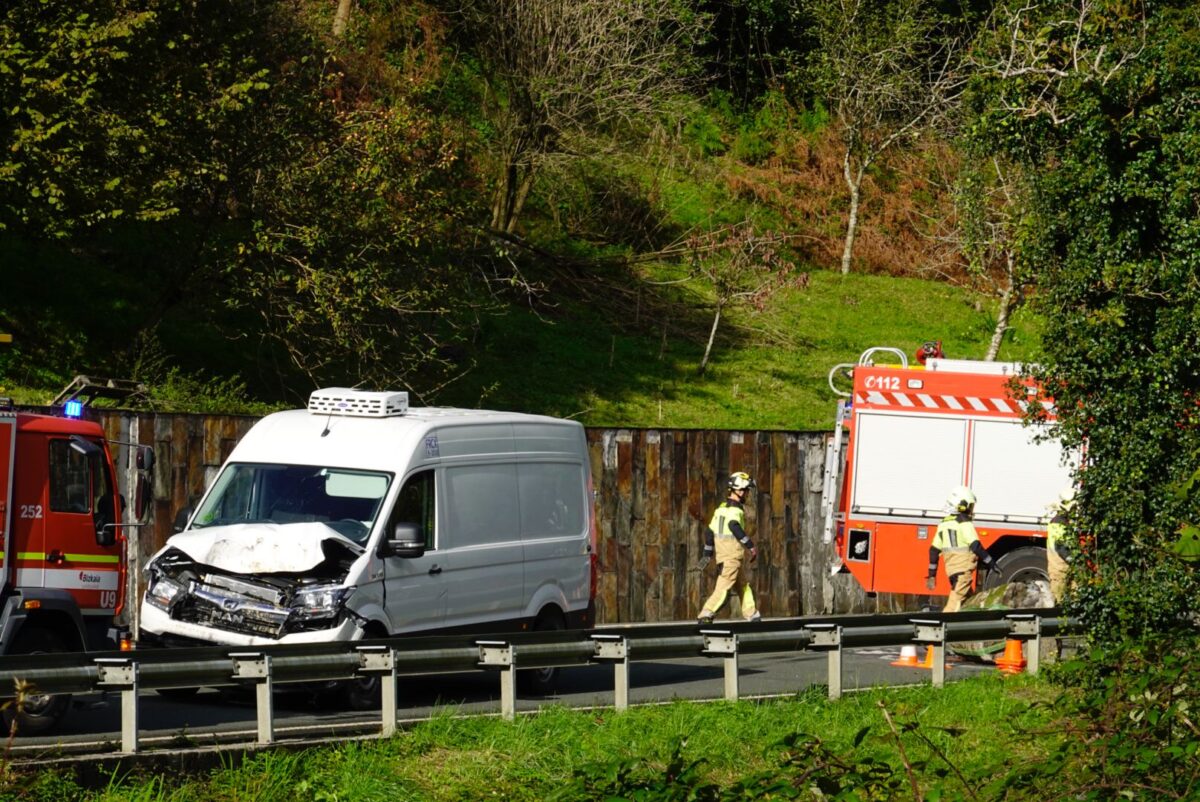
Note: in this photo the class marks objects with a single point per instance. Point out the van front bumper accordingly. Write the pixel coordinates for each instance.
(158, 628)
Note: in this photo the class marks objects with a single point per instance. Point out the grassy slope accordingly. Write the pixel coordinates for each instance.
(574, 362)
(770, 372)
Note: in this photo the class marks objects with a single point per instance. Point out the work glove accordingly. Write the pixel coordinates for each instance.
(705, 559)
(930, 582)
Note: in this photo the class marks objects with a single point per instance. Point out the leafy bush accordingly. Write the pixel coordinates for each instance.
(1129, 724)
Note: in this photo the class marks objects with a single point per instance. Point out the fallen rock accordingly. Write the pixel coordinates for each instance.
(1011, 596)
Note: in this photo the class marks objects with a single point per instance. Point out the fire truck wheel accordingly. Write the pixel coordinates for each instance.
(38, 712)
(1019, 565)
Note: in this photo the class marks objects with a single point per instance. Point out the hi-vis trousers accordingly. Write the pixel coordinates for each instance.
(735, 575)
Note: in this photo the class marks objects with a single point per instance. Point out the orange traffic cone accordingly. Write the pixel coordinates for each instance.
(1013, 661)
(908, 657)
(929, 658)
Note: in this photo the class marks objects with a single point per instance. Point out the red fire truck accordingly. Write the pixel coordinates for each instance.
(62, 570)
(915, 433)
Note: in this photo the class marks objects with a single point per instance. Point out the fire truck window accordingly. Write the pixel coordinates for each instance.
(104, 500)
(70, 479)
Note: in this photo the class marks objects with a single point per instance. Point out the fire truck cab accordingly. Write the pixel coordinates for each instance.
(63, 566)
(915, 433)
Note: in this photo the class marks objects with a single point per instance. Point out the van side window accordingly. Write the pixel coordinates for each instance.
(416, 504)
(482, 505)
(551, 495)
(70, 479)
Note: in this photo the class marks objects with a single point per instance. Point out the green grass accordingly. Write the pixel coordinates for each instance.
(612, 364)
(768, 373)
(984, 722)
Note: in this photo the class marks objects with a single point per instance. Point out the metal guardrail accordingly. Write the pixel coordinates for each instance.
(265, 666)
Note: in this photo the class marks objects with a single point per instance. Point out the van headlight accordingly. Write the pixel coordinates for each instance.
(164, 592)
(315, 602)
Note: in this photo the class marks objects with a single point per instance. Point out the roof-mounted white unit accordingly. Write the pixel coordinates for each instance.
(357, 403)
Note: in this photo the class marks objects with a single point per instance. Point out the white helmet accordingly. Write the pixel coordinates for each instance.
(1066, 498)
(740, 481)
(961, 499)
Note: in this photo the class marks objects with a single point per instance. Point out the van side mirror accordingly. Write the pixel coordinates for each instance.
(407, 540)
(181, 520)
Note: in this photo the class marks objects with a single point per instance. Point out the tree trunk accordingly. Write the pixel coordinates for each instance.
(1007, 300)
(340, 18)
(854, 183)
(519, 200)
(503, 200)
(712, 336)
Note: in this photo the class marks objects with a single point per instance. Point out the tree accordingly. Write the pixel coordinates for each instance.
(743, 266)
(886, 68)
(991, 200)
(561, 73)
(1097, 100)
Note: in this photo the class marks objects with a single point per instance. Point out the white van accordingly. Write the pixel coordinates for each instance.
(360, 517)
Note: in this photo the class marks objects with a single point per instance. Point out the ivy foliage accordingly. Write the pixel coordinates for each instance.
(1101, 103)
(1127, 730)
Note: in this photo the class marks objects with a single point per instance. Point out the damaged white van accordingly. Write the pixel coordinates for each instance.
(360, 517)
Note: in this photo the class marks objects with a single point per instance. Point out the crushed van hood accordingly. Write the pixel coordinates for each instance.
(261, 548)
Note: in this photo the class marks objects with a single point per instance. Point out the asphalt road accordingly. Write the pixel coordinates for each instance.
(211, 716)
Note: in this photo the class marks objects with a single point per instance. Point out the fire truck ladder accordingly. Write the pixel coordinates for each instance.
(833, 471)
(833, 449)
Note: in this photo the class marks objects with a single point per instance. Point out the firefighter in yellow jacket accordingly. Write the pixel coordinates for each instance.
(1056, 546)
(958, 544)
(727, 536)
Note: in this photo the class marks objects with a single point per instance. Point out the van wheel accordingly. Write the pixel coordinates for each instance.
(362, 693)
(37, 713)
(541, 681)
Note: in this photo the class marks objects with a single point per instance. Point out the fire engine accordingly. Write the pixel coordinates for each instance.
(63, 566)
(915, 433)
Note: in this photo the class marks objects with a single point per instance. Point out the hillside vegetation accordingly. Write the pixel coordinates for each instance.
(653, 212)
(237, 213)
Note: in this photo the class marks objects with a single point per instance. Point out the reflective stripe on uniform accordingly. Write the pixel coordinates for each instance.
(954, 535)
(723, 517)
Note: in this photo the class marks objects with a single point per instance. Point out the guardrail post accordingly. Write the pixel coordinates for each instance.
(502, 655)
(724, 643)
(613, 649)
(828, 638)
(380, 661)
(256, 667)
(933, 633)
(121, 674)
(1027, 628)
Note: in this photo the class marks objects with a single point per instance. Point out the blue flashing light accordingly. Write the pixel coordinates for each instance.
(73, 409)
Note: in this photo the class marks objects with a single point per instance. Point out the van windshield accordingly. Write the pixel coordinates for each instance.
(347, 501)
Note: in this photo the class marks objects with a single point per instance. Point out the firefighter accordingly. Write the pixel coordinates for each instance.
(1056, 547)
(728, 537)
(957, 541)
